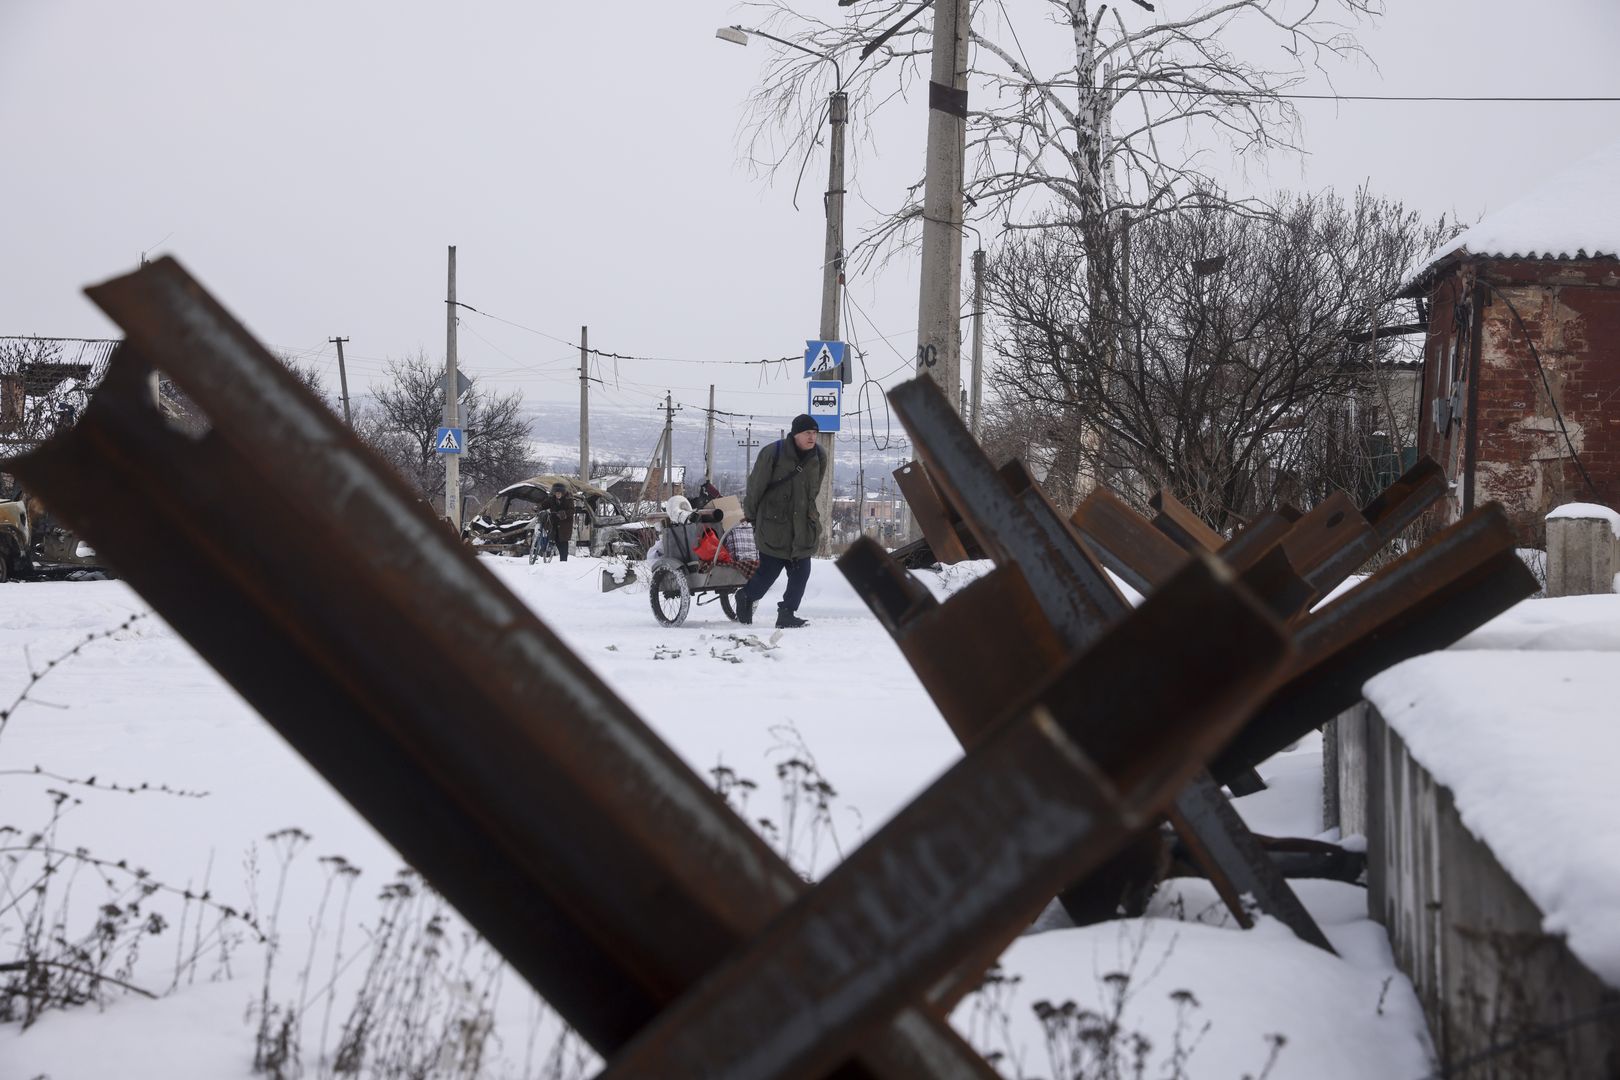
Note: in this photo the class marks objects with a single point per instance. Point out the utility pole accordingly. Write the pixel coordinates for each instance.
(584, 407)
(978, 337)
(747, 443)
(832, 281)
(452, 403)
(708, 442)
(939, 347)
(666, 482)
(343, 379)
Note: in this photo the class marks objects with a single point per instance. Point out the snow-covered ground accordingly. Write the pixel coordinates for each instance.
(138, 707)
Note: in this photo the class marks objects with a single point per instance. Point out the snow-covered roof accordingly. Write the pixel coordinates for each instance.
(1573, 214)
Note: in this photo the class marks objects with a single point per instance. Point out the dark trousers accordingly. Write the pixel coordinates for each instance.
(798, 576)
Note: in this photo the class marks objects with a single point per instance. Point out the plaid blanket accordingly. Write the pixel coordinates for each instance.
(744, 552)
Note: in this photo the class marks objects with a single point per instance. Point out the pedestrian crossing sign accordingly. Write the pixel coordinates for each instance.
(823, 359)
(448, 440)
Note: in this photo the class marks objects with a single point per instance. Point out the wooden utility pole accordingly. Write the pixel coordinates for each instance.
(584, 407)
(452, 403)
(343, 379)
(708, 442)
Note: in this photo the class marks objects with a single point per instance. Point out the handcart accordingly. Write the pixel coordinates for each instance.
(679, 574)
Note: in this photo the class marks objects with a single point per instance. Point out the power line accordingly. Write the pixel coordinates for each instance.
(1498, 98)
(605, 355)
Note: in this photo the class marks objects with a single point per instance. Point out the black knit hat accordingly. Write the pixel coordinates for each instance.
(803, 422)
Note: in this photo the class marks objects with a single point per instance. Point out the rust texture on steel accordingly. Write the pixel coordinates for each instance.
(1426, 600)
(1040, 799)
(1073, 591)
(1020, 527)
(1207, 823)
(1181, 524)
(567, 833)
(933, 516)
(1144, 558)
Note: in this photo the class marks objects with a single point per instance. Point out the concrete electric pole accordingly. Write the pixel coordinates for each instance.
(343, 379)
(832, 264)
(832, 283)
(584, 407)
(747, 443)
(978, 338)
(708, 442)
(939, 346)
(452, 403)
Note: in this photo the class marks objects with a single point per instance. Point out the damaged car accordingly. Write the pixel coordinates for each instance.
(506, 523)
(34, 546)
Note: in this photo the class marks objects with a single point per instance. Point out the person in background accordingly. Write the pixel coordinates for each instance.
(781, 503)
(561, 505)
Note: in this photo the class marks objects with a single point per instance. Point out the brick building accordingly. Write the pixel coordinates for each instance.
(1521, 365)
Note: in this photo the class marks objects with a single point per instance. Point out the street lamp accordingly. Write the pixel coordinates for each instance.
(832, 266)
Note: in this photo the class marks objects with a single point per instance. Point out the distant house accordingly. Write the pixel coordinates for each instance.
(46, 382)
(625, 482)
(1521, 365)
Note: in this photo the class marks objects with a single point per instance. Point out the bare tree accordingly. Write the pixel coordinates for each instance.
(403, 414)
(43, 388)
(1220, 361)
(1081, 113)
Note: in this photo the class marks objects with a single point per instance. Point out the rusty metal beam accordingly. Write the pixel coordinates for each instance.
(1019, 526)
(1208, 825)
(1075, 594)
(934, 517)
(1143, 557)
(602, 868)
(1042, 798)
(1180, 524)
(969, 653)
(1404, 501)
(1426, 600)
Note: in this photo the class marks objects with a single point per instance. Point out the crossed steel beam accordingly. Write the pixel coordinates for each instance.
(1048, 597)
(644, 910)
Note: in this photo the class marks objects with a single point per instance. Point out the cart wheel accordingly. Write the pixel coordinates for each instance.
(727, 606)
(670, 592)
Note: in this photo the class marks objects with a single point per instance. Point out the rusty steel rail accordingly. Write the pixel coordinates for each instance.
(1077, 597)
(1181, 525)
(1426, 600)
(1040, 799)
(934, 518)
(462, 728)
(1020, 527)
(1117, 536)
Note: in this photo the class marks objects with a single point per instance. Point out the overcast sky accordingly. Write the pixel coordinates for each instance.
(311, 161)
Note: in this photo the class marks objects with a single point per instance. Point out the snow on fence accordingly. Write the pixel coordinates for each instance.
(1482, 779)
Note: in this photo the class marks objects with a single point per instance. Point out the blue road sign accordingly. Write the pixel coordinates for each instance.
(826, 403)
(448, 440)
(822, 359)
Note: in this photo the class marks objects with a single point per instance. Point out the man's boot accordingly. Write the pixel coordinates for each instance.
(745, 607)
(786, 620)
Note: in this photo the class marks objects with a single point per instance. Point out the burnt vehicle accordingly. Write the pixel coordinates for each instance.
(33, 546)
(506, 524)
(15, 539)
